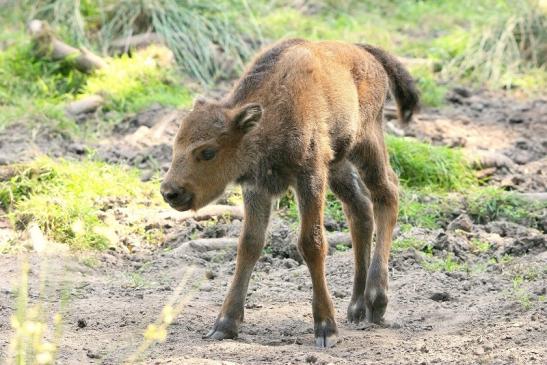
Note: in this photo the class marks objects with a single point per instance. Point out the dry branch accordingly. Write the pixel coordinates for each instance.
(138, 41)
(485, 159)
(208, 212)
(85, 105)
(534, 197)
(334, 239)
(339, 238)
(48, 45)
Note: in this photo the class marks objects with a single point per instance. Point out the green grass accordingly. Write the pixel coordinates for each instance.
(342, 248)
(34, 90)
(420, 209)
(523, 295)
(490, 203)
(421, 165)
(404, 243)
(432, 92)
(436, 186)
(133, 83)
(479, 246)
(65, 198)
(447, 264)
(289, 22)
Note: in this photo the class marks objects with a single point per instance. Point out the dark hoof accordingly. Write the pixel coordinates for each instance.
(357, 311)
(326, 334)
(223, 329)
(376, 304)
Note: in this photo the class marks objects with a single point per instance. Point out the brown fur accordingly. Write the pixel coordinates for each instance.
(305, 115)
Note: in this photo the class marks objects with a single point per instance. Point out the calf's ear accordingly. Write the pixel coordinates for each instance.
(247, 117)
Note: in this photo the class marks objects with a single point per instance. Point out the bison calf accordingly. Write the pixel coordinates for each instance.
(305, 115)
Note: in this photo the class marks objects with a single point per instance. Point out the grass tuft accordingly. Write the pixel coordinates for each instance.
(133, 83)
(421, 165)
(490, 203)
(35, 89)
(65, 198)
(506, 50)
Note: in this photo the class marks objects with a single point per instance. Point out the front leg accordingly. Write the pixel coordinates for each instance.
(257, 214)
(313, 247)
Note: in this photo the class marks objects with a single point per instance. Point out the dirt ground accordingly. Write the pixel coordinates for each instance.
(476, 316)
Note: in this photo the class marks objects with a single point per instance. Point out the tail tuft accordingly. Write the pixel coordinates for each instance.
(402, 84)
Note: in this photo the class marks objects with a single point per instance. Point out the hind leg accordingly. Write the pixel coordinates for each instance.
(372, 161)
(346, 184)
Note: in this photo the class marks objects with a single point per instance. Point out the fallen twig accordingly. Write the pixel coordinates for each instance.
(334, 239)
(86, 105)
(136, 41)
(48, 45)
(208, 212)
(534, 197)
(484, 159)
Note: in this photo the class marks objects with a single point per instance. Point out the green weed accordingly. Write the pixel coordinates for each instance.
(64, 198)
(420, 164)
(506, 48)
(479, 246)
(432, 93)
(490, 203)
(419, 209)
(35, 338)
(132, 83)
(447, 264)
(34, 89)
(404, 243)
(341, 247)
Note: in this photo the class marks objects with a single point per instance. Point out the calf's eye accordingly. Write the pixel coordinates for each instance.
(208, 154)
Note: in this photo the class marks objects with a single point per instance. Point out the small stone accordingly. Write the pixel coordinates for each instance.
(516, 119)
(440, 297)
(209, 274)
(77, 148)
(93, 355)
(462, 222)
(454, 98)
(147, 175)
(339, 294)
(82, 323)
(206, 287)
(461, 91)
(290, 263)
(330, 224)
(522, 157)
(311, 359)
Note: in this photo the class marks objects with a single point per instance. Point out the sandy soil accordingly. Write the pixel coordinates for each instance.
(475, 316)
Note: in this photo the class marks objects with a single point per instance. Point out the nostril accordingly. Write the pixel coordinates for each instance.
(170, 195)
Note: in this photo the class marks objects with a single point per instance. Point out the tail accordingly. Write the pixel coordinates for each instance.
(402, 84)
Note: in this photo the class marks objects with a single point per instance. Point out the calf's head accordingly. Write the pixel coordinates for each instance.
(208, 153)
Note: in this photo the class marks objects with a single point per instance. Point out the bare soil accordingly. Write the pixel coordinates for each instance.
(479, 315)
